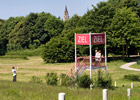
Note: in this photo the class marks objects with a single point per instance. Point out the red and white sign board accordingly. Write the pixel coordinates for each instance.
(97, 39)
(83, 39)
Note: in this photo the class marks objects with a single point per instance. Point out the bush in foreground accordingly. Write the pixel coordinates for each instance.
(84, 81)
(103, 81)
(66, 80)
(132, 77)
(51, 78)
(36, 80)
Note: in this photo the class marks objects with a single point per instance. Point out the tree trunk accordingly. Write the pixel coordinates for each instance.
(123, 51)
(126, 52)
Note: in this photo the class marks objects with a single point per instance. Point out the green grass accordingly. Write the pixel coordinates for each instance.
(34, 66)
(137, 66)
(26, 52)
(31, 91)
(13, 57)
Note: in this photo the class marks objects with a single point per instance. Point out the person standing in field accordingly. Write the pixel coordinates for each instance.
(14, 74)
(96, 57)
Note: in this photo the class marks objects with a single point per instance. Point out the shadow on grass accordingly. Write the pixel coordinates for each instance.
(125, 59)
(132, 77)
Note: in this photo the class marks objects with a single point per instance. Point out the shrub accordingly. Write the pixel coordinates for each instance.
(26, 52)
(131, 77)
(36, 80)
(66, 80)
(14, 57)
(58, 50)
(103, 82)
(51, 78)
(84, 81)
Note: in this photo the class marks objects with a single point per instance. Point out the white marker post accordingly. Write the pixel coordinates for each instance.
(61, 96)
(131, 85)
(115, 84)
(104, 94)
(91, 86)
(129, 93)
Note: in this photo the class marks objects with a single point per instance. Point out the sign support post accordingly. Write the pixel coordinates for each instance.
(75, 55)
(90, 55)
(105, 55)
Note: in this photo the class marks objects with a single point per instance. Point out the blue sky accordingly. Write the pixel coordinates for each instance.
(15, 8)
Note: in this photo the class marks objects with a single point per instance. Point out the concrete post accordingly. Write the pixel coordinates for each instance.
(61, 96)
(128, 92)
(76, 85)
(115, 84)
(131, 85)
(91, 86)
(104, 94)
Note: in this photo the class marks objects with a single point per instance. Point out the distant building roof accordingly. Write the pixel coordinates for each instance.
(66, 14)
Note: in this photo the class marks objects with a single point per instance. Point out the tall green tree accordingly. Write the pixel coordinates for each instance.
(124, 29)
(40, 34)
(133, 4)
(6, 27)
(53, 26)
(71, 24)
(99, 18)
(28, 29)
(17, 40)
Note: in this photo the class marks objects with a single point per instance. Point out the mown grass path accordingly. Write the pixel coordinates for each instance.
(34, 66)
(127, 66)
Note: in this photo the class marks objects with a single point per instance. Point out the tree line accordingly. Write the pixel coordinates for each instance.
(120, 19)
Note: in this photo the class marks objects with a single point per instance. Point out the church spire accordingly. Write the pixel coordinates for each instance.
(66, 14)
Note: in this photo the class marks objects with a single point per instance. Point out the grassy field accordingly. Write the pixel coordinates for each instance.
(34, 66)
(137, 66)
(25, 91)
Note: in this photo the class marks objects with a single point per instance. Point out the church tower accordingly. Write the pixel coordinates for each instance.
(66, 14)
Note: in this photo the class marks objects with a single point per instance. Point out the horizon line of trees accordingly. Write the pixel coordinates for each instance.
(120, 19)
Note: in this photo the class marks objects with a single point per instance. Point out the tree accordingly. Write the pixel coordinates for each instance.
(28, 29)
(124, 29)
(70, 24)
(133, 4)
(6, 27)
(53, 26)
(58, 49)
(99, 18)
(40, 34)
(16, 39)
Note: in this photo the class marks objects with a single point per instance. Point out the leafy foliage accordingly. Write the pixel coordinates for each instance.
(53, 26)
(58, 49)
(84, 81)
(66, 80)
(103, 81)
(124, 29)
(132, 77)
(51, 78)
(36, 80)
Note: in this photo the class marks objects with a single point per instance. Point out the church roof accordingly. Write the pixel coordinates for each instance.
(66, 14)
(66, 11)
